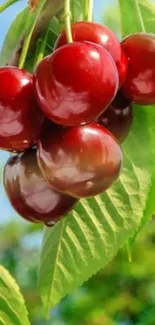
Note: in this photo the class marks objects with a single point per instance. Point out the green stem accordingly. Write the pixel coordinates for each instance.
(7, 4)
(29, 36)
(67, 14)
(90, 10)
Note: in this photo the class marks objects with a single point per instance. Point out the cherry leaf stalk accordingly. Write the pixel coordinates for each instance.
(7, 4)
(29, 34)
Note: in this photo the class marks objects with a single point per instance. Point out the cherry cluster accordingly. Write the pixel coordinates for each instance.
(65, 122)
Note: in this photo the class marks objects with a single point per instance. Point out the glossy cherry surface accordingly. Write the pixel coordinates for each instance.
(100, 34)
(118, 117)
(20, 116)
(139, 86)
(29, 193)
(76, 83)
(81, 161)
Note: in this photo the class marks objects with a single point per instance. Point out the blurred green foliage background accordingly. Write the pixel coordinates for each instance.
(121, 294)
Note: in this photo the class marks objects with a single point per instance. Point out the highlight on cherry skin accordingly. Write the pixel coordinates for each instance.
(139, 86)
(102, 35)
(82, 161)
(20, 116)
(76, 83)
(30, 195)
(118, 117)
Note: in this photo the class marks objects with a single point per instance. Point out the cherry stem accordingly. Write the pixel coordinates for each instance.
(90, 10)
(67, 15)
(7, 4)
(30, 27)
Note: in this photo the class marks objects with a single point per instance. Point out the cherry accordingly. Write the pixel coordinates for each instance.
(20, 116)
(118, 117)
(29, 193)
(76, 83)
(139, 86)
(100, 34)
(81, 161)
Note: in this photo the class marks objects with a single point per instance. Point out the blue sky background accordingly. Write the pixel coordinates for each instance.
(6, 18)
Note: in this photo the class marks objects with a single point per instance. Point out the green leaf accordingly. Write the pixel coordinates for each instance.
(23, 26)
(77, 10)
(12, 305)
(137, 16)
(50, 35)
(15, 33)
(142, 18)
(150, 206)
(29, 32)
(150, 203)
(88, 238)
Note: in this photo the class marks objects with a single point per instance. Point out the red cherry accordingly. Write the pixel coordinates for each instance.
(29, 194)
(76, 83)
(100, 34)
(81, 161)
(20, 116)
(139, 86)
(118, 117)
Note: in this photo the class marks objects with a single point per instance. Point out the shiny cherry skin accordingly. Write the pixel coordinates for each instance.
(82, 161)
(139, 86)
(20, 116)
(118, 117)
(100, 34)
(29, 193)
(76, 83)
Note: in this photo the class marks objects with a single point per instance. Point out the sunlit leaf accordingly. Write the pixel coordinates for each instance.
(12, 306)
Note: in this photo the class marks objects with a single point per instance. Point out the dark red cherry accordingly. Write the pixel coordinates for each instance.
(20, 116)
(100, 34)
(139, 86)
(81, 161)
(29, 193)
(76, 83)
(118, 117)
